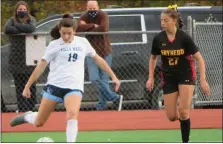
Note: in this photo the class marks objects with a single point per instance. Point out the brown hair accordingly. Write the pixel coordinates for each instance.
(175, 14)
(67, 21)
(15, 17)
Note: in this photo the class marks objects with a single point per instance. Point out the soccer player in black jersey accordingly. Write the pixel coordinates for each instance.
(177, 51)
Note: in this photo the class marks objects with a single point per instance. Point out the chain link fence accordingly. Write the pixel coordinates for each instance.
(208, 37)
(130, 56)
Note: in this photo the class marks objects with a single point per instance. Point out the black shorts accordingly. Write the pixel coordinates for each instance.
(171, 80)
(58, 94)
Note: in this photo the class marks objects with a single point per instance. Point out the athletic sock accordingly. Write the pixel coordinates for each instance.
(185, 130)
(31, 117)
(72, 130)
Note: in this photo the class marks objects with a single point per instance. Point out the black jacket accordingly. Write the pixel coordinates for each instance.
(17, 51)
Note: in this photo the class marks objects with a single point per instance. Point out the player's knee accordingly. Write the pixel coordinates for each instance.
(71, 114)
(172, 118)
(184, 113)
(39, 123)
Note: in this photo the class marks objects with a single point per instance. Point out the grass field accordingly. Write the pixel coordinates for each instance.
(197, 135)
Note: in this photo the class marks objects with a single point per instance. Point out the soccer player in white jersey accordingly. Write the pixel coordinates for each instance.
(65, 82)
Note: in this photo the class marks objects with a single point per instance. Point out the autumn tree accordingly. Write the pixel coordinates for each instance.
(45, 8)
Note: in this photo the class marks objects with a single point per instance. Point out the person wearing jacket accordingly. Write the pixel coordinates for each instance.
(20, 22)
(96, 20)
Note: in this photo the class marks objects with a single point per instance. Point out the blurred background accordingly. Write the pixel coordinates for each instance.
(44, 8)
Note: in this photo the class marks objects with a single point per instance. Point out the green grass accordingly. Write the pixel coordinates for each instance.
(197, 135)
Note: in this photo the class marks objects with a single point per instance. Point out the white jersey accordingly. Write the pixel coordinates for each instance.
(67, 62)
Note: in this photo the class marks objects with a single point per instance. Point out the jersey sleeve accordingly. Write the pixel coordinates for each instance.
(190, 45)
(155, 47)
(89, 49)
(50, 53)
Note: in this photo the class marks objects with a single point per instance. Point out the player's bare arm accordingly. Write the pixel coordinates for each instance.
(35, 75)
(105, 67)
(201, 66)
(152, 64)
(82, 22)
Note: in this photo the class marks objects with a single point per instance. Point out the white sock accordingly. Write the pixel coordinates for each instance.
(72, 129)
(31, 117)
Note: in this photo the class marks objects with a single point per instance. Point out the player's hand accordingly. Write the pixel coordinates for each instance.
(95, 25)
(117, 84)
(205, 87)
(26, 92)
(82, 22)
(150, 84)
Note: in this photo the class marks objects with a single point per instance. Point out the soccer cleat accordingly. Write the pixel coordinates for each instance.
(19, 119)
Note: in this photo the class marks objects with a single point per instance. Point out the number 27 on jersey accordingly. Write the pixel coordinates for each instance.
(173, 61)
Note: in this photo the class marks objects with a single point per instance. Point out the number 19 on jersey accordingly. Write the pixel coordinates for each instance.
(72, 57)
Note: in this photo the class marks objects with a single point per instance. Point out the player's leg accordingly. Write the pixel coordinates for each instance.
(170, 106)
(72, 102)
(171, 94)
(36, 118)
(47, 105)
(185, 94)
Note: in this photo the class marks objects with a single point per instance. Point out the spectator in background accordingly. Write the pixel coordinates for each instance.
(95, 20)
(3, 108)
(20, 22)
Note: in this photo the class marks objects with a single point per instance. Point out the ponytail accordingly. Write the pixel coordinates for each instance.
(175, 14)
(180, 21)
(55, 31)
(55, 34)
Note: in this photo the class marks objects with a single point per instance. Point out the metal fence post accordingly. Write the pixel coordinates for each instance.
(194, 30)
(193, 35)
(189, 25)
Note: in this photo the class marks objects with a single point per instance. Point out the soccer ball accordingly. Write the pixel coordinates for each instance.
(45, 139)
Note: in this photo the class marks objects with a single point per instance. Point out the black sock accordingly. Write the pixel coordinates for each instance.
(185, 130)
